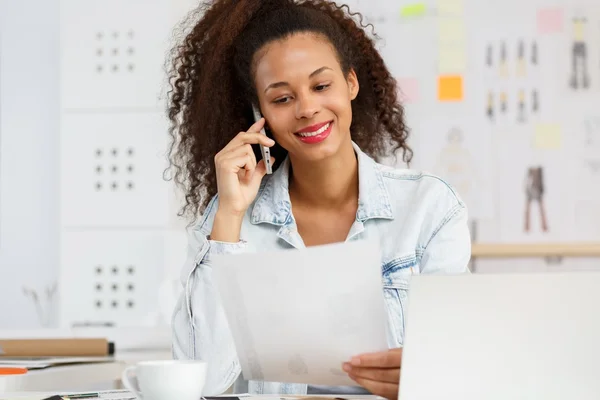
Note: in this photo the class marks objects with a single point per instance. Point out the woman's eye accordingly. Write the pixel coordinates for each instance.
(281, 100)
(320, 88)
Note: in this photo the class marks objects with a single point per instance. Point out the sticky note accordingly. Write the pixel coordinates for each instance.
(547, 136)
(450, 7)
(413, 10)
(450, 88)
(408, 90)
(452, 59)
(451, 31)
(550, 20)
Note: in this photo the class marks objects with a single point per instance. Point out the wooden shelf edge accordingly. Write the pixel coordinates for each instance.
(507, 250)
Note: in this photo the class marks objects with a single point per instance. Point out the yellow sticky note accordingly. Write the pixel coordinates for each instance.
(452, 31)
(547, 136)
(413, 10)
(452, 59)
(450, 7)
(450, 88)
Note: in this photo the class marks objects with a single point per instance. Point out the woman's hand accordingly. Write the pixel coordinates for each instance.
(379, 373)
(238, 180)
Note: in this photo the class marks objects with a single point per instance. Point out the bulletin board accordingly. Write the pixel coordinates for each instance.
(503, 101)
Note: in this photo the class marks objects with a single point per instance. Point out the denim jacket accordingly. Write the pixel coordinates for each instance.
(418, 219)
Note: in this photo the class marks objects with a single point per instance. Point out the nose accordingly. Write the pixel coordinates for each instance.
(307, 106)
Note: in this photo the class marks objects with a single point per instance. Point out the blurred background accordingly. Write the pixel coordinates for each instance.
(502, 99)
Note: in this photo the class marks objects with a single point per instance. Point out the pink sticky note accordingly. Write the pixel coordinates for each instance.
(408, 90)
(550, 20)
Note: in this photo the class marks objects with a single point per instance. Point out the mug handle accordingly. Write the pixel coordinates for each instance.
(130, 382)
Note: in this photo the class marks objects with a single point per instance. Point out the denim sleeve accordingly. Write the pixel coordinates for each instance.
(448, 250)
(199, 326)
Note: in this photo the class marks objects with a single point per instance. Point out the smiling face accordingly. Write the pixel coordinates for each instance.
(305, 96)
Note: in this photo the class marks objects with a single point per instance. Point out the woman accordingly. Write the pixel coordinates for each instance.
(330, 106)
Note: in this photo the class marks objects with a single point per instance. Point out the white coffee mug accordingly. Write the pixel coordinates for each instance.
(166, 380)
(10, 383)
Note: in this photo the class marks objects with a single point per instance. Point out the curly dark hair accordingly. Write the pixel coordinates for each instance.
(211, 86)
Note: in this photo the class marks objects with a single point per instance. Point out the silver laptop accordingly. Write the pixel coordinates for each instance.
(505, 337)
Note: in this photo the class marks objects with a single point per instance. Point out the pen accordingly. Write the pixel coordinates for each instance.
(74, 396)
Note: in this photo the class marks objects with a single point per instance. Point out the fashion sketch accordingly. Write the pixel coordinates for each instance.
(503, 61)
(521, 63)
(534, 192)
(521, 117)
(580, 77)
(490, 105)
(456, 162)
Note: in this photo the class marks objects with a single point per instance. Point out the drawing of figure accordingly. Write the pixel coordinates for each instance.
(457, 165)
(503, 61)
(488, 57)
(521, 58)
(534, 191)
(534, 101)
(503, 102)
(490, 105)
(534, 53)
(579, 72)
(521, 115)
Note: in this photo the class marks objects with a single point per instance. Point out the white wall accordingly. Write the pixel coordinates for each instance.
(29, 129)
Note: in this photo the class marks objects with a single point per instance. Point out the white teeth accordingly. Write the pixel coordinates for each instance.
(315, 133)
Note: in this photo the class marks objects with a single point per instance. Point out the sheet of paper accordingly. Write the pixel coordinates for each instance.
(450, 7)
(102, 394)
(450, 88)
(413, 10)
(408, 89)
(452, 60)
(547, 136)
(452, 31)
(550, 20)
(297, 315)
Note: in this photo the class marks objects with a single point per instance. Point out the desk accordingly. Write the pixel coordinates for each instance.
(87, 377)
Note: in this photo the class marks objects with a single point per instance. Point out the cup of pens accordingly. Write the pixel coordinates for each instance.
(166, 379)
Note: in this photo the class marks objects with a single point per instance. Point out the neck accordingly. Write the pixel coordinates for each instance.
(329, 183)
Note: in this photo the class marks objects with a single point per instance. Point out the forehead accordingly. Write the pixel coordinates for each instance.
(295, 56)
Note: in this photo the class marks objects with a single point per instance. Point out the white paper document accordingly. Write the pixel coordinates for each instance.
(297, 315)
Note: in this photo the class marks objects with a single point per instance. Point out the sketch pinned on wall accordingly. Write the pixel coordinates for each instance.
(580, 78)
(534, 193)
(535, 101)
(522, 114)
(490, 105)
(521, 63)
(456, 163)
(591, 147)
(512, 93)
(460, 153)
(503, 102)
(503, 67)
(587, 212)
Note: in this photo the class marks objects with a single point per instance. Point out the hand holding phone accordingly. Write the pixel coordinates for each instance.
(265, 151)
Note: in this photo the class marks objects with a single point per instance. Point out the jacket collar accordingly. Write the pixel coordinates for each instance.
(273, 204)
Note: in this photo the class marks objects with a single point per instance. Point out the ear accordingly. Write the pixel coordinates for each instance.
(353, 86)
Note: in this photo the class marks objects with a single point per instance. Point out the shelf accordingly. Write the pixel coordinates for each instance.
(483, 250)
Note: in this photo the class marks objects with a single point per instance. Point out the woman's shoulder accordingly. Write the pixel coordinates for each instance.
(414, 186)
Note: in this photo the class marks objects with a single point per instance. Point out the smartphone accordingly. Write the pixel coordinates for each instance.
(265, 151)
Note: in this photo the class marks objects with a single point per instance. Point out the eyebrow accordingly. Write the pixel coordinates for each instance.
(279, 84)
